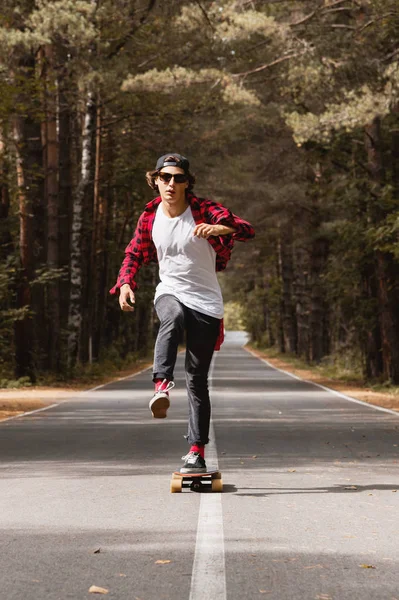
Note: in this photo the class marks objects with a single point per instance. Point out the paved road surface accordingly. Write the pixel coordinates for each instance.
(310, 508)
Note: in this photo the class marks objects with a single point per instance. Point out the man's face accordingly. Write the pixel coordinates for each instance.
(172, 191)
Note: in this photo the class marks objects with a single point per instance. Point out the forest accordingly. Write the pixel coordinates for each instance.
(289, 113)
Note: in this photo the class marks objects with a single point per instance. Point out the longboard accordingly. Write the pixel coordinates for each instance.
(197, 482)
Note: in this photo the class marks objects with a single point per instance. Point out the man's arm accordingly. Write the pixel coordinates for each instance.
(204, 230)
(217, 214)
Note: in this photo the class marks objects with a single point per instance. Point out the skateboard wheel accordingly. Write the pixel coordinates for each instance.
(176, 484)
(217, 485)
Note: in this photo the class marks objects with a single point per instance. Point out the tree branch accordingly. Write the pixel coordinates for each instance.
(268, 65)
(207, 19)
(342, 26)
(307, 18)
(129, 35)
(372, 21)
(335, 3)
(323, 9)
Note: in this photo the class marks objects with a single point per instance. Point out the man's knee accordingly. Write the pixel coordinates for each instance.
(170, 312)
(197, 382)
(174, 317)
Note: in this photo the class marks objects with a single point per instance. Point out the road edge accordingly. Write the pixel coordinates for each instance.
(325, 388)
(78, 394)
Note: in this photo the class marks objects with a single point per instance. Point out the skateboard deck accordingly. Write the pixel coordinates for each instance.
(197, 482)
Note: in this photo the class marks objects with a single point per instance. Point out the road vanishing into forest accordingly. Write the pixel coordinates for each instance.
(310, 508)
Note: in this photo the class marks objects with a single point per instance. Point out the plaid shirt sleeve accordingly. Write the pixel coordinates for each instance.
(140, 250)
(217, 214)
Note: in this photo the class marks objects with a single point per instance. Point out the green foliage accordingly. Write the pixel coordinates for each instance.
(358, 108)
(229, 24)
(69, 20)
(44, 276)
(171, 80)
(269, 100)
(233, 316)
(22, 382)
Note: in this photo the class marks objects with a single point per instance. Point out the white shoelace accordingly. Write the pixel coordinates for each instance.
(189, 455)
(170, 386)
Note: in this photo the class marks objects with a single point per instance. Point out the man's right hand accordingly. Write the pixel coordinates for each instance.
(125, 294)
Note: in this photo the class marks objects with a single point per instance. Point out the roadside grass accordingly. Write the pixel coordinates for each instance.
(82, 376)
(97, 373)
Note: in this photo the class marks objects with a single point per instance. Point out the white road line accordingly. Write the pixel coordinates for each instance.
(30, 412)
(208, 579)
(326, 389)
(82, 393)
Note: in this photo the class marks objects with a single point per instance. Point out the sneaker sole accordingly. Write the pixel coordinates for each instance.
(159, 407)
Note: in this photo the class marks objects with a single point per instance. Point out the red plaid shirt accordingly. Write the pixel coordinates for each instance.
(141, 249)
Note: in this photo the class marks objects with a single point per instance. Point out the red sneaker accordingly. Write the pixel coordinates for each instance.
(160, 402)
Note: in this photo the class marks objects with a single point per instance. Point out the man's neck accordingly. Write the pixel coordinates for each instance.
(174, 210)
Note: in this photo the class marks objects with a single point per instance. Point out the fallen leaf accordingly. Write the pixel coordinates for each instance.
(367, 566)
(350, 487)
(97, 590)
(97, 551)
(162, 562)
(284, 560)
(394, 491)
(265, 591)
(255, 456)
(122, 575)
(291, 470)
(314, 567)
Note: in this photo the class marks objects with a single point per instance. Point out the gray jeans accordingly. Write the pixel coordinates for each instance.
(201, 334)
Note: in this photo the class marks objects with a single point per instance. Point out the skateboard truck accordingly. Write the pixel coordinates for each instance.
(197, 482)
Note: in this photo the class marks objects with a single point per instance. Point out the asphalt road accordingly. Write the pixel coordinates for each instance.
(310, 508)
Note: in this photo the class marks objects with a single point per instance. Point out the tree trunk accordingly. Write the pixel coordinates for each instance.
(371, 338)
(96, 254)
(76, 269)
(6, 245)
(302, 295)
(287, 277)
(65, 195)
(26, 137)
(105, 194)
(318, 322)
(388, 297)
(50, 159)
(280, 310)
(386, 270)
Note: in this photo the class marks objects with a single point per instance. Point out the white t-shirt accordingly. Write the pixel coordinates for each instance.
(186, 264)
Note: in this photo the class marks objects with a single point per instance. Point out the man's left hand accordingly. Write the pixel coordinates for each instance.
(205, 230)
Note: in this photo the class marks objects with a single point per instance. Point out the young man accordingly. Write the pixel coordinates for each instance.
(191, 238)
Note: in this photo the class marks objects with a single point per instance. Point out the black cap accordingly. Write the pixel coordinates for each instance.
(173, 160)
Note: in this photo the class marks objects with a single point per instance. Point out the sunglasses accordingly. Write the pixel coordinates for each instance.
(178, 177)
